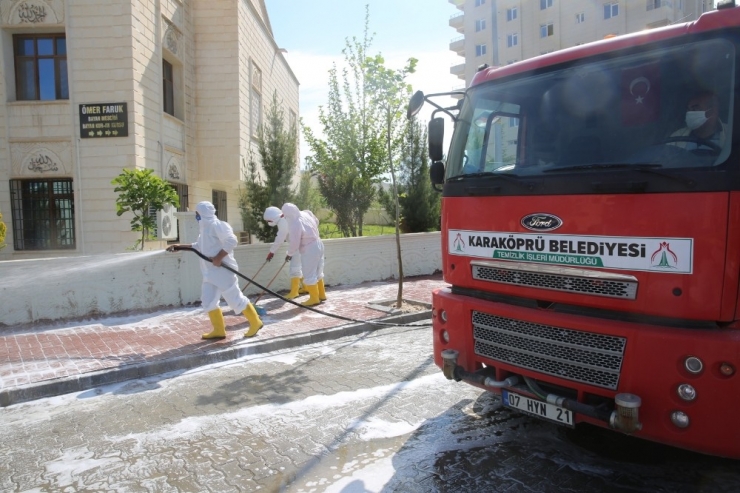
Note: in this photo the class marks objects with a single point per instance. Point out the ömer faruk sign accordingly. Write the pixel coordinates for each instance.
(103, 120)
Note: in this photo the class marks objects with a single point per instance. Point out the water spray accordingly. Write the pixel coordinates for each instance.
(299, 305)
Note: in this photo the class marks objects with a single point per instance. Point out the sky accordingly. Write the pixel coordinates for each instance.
(314, 34)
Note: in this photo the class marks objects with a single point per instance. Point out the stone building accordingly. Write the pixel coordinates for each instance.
(90, 87)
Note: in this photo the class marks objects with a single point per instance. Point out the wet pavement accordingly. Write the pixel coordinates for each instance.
(43, 360)
(367, 413)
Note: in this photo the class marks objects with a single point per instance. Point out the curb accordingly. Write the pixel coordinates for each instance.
(87, 381)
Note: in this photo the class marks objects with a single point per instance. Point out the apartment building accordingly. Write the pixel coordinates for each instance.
(92, 87)
(501, 32)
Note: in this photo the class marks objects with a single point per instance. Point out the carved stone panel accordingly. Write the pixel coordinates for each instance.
(32, 12)
(174, 170)
(41, 159)
(172, 39)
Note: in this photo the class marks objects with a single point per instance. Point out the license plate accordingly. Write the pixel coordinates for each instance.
(537, 408)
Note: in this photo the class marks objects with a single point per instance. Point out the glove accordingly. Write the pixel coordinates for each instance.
(287, 258)
(269, 256)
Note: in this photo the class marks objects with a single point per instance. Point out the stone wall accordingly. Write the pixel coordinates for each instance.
(99, 285)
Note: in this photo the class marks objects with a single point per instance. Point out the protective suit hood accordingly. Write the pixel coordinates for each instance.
(206, 210)
(272, 215)
(291, 211)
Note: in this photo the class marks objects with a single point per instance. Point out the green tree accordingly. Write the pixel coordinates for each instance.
(420, 205)
(140, 191)
(308, 196)
(277, 147)
(349, 160)
(3, 231)
(389, 96)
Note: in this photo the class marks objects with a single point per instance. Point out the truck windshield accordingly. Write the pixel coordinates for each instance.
(667, 108)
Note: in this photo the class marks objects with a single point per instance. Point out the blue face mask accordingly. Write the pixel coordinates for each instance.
(197, 216)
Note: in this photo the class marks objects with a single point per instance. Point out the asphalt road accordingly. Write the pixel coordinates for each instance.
(368, 413)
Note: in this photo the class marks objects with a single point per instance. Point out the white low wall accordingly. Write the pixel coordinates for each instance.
(79, 287)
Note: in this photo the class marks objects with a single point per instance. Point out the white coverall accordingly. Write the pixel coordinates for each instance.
(216, 235)
(283, 235)
(303, 229)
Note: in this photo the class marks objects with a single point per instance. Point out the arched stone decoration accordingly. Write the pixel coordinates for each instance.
(32, 12)
(174, 169)
(41, 159)
(172, 39)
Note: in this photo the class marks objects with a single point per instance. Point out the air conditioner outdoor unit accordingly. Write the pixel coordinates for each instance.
(166, 223)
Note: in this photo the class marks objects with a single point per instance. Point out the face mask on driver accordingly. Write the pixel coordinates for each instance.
(695, 119)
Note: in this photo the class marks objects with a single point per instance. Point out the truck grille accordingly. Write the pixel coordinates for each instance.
(557, 278)
(584, 357)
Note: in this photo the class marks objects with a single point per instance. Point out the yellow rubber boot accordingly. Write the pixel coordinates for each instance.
(322, 291)
(302, 288)
(294, 283)
(313, 291)
(219, 325)
(255, 324)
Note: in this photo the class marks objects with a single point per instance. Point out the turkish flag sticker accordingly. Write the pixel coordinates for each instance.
(640, 94)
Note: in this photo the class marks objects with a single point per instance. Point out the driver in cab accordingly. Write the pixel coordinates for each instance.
(703, 124)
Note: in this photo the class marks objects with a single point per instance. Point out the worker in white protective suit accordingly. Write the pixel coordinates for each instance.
(217, 241)
(303, 228)
(274, 217)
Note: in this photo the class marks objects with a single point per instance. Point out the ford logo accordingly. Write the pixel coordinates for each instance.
(541, 222)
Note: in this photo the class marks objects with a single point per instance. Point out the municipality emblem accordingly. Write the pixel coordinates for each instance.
(458, 244)
(665, 257)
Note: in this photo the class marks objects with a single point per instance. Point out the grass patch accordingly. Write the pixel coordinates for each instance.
(330, 230)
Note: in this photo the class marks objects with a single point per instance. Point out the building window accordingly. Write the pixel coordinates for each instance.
(256, 100)
(611, 10)
(546, 30)
(509, 62)
(580, 18)
(480, 25)
(218, 199)
(511, 14)
(480, 50)
(512, 40)
(679, 4)
(168, 81)
(292, 121)
(43, 214)
(41, 67)
(478, 3)
(513, 122)
(545, 4)
(656, 4)
(182, 193)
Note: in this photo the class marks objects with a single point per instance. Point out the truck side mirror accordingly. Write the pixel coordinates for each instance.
(436, 137)
(415, 104)
(437, 174)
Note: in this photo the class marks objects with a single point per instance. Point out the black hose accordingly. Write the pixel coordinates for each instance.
(340, 317)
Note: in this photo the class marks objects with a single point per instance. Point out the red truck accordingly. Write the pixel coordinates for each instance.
(591, 234)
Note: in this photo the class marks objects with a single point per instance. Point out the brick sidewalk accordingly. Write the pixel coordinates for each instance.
(51, 359)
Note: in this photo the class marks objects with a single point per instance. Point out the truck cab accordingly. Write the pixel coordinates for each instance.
(591, 235)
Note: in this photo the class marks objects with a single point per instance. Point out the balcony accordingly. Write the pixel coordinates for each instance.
(659, 23)
(457, 21)
(458, 45)
(460, 4)
(458, 70)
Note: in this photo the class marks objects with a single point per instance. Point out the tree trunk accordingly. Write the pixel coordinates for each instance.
(399, 296)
